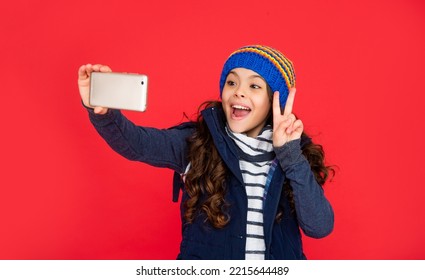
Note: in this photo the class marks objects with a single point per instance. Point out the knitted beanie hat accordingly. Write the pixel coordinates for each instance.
(269, 63)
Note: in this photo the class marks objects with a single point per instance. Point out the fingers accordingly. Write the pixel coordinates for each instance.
(289, 123)
(298, 126)
(85, 70)
(286, 120)
(105, 68)
(276, 106)
(99, 68)
(295, 129)
(286, 127)
(84, 73)
(100, 110)
(96, 67)
(289, 102)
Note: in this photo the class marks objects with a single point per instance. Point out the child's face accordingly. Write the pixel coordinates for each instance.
(246, 102)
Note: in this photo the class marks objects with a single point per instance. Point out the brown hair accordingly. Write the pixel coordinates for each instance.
(205, 180)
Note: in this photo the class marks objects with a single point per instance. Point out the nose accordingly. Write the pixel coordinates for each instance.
(239, 92)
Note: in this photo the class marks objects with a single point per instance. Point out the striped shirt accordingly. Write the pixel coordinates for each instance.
(255, 158)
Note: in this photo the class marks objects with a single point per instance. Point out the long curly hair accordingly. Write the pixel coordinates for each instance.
(205, 180)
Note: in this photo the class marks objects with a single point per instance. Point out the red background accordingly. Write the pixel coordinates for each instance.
(360, 92)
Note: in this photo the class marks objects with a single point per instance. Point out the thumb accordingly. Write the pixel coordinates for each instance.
(100, 110)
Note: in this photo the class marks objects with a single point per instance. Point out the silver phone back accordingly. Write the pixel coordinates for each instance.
(119, 91)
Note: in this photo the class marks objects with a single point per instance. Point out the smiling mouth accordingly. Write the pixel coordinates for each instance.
(240, 111)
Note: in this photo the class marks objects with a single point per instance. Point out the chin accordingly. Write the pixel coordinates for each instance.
(236, 128)
(233, 127)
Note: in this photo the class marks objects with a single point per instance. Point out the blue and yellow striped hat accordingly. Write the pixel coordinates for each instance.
(269, 63)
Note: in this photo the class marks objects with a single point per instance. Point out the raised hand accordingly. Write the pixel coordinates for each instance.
(84, 83)
(286, 127)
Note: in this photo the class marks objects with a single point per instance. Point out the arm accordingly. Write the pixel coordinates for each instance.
(314, 212)
(157, 147)
(162, 148)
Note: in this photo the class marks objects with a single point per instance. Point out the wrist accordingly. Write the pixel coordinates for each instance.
(289, 153)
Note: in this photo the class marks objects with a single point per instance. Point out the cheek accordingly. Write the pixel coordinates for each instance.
(264, 105)
(225, 101)
(225, 94)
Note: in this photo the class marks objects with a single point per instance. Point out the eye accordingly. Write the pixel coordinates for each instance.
(230, 83)
(255, 86)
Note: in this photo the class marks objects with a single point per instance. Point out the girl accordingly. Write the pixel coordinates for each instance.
(250, 177)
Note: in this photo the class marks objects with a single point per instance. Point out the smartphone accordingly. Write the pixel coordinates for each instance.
(119, 91)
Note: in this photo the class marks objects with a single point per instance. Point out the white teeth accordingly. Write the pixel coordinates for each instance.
(241, 107)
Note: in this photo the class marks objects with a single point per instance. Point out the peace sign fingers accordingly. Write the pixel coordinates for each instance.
(285, 126)
(289, 102)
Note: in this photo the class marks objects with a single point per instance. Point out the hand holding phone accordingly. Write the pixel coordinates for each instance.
(84, 73)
